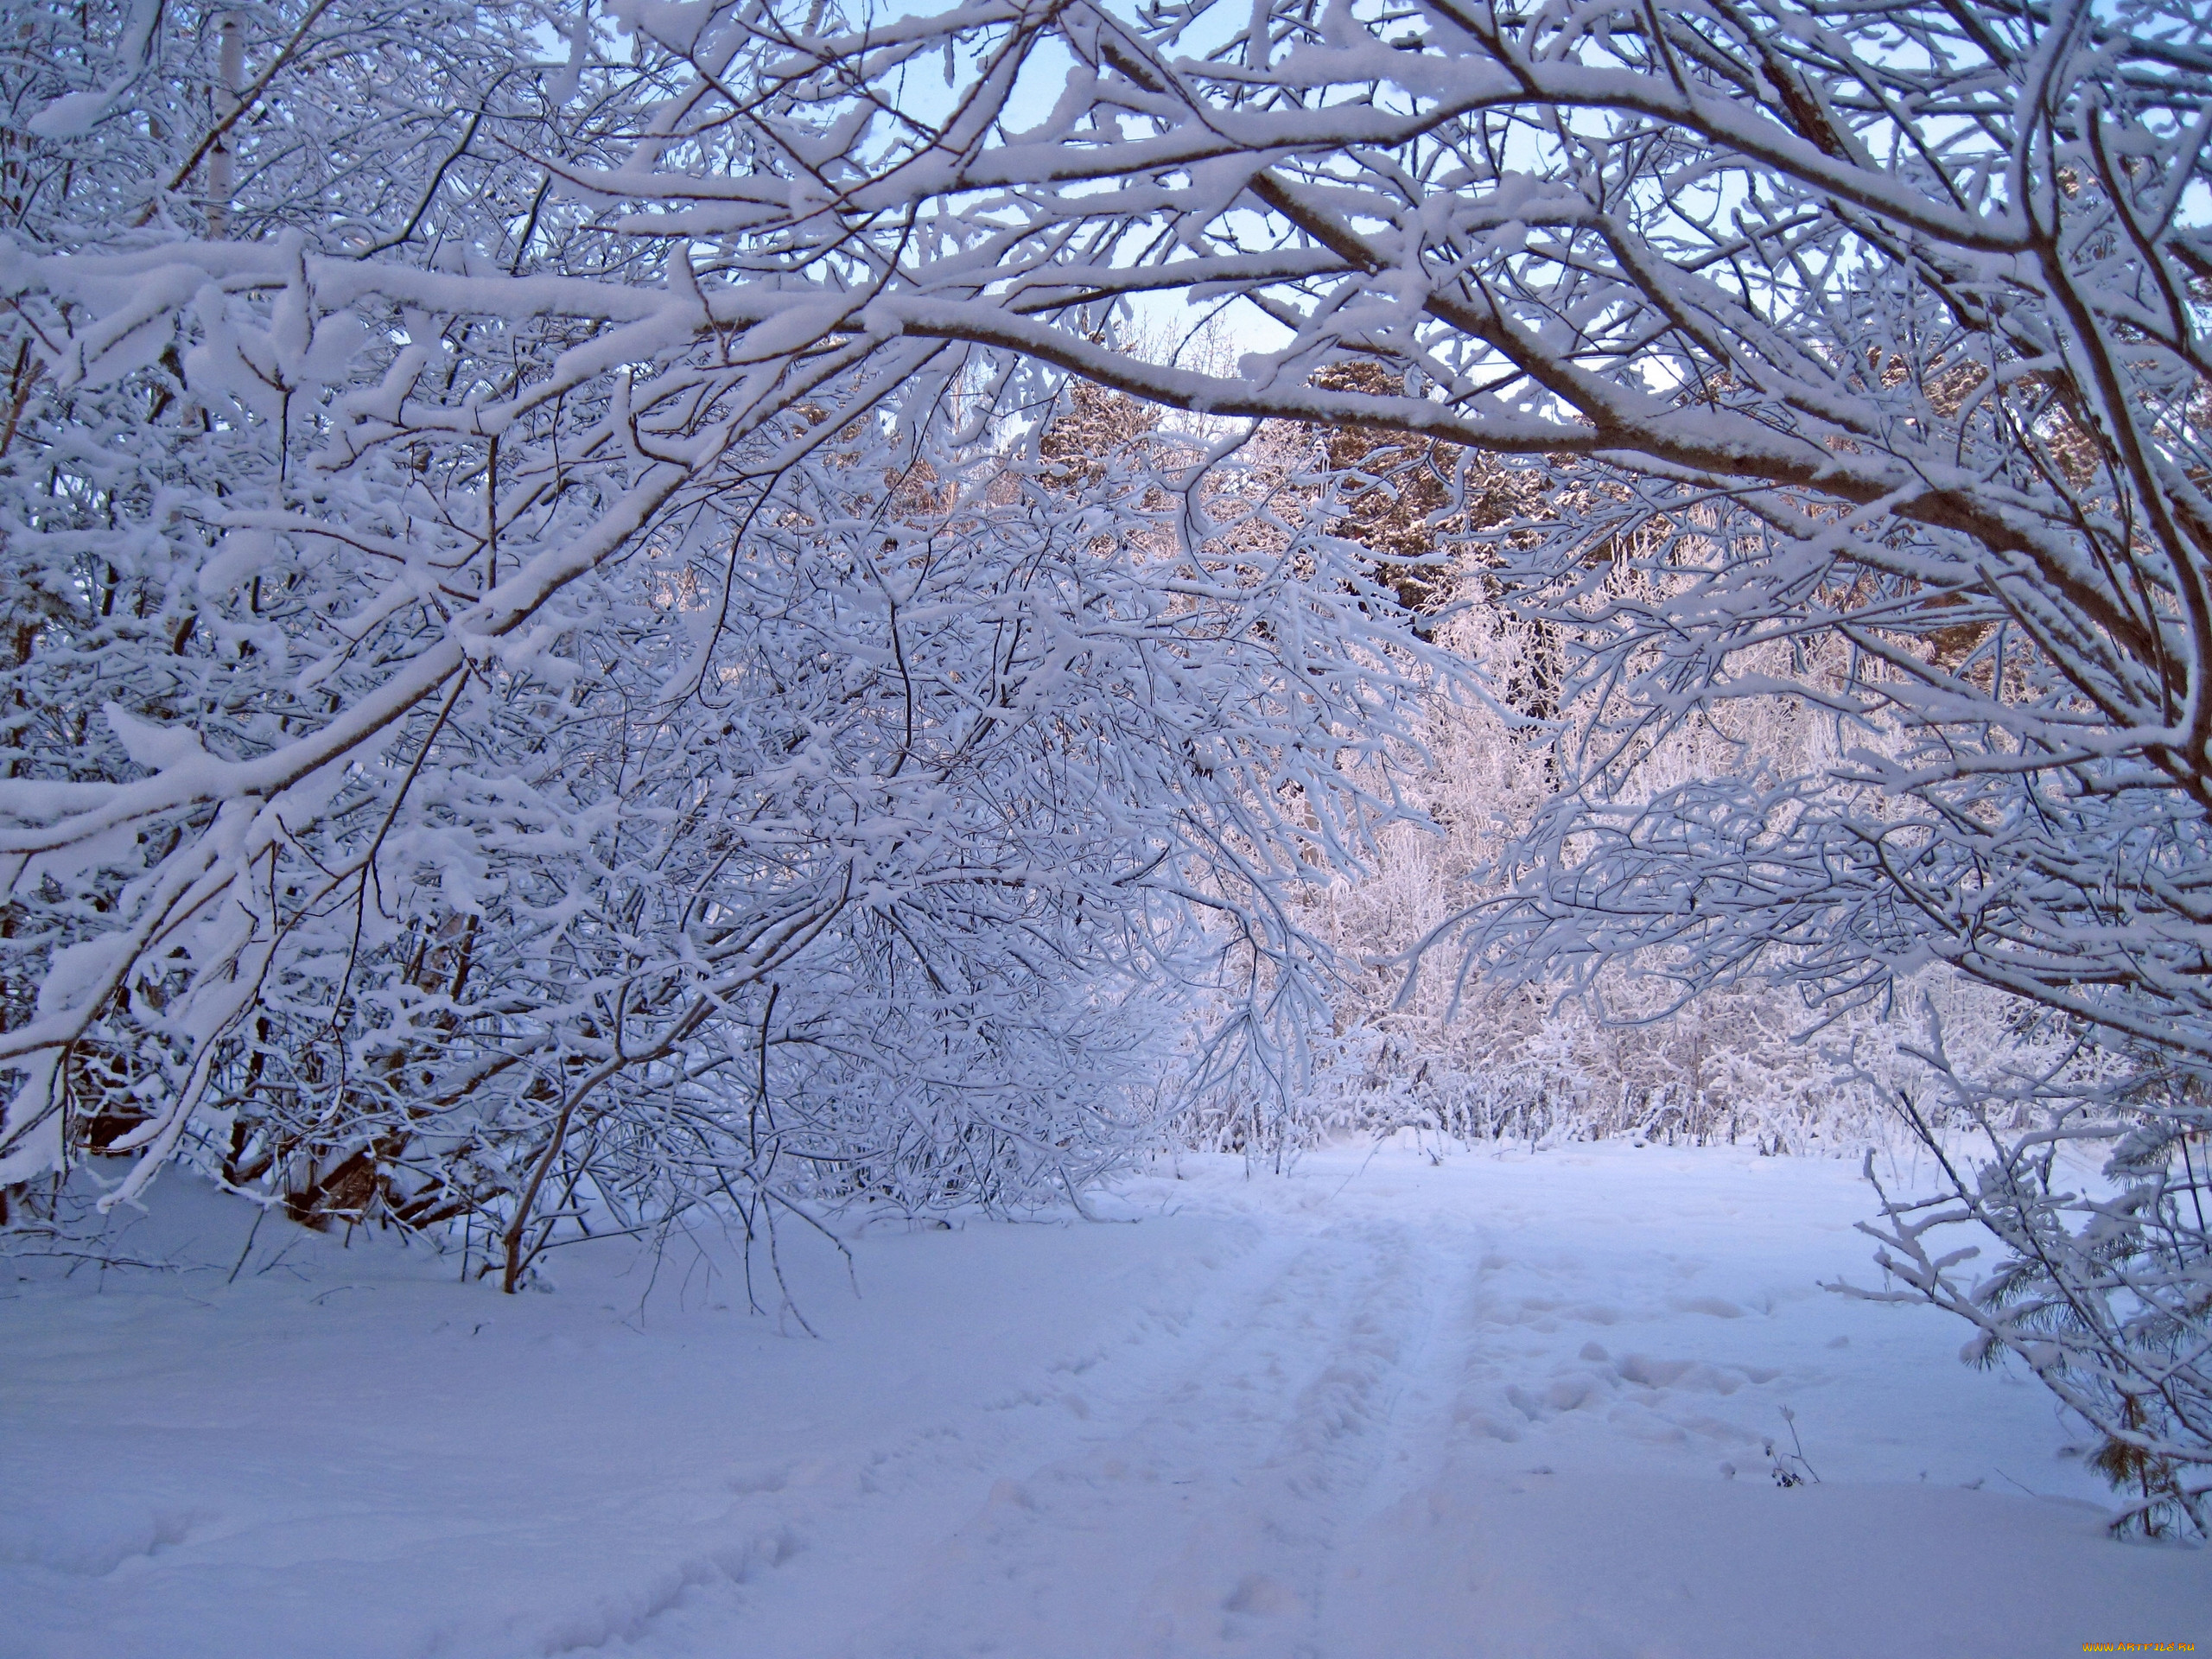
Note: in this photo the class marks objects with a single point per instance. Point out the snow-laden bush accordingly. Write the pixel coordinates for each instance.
(1413, 1041)
(486, 751)
(2091, 1172)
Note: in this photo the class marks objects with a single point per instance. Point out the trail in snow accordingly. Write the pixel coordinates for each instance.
(1377, 1408)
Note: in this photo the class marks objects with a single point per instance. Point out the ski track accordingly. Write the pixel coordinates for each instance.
(1376, 1412)
(1195, 1518)
(1249, 1471)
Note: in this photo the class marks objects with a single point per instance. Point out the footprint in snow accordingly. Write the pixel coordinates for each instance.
(1718, 1306)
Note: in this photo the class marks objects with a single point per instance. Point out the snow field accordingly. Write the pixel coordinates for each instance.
(1377, 1407)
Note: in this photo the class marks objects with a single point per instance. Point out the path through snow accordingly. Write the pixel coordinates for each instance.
(1376, 1409)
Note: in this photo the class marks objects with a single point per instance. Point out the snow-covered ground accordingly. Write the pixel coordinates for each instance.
(1377, 1409)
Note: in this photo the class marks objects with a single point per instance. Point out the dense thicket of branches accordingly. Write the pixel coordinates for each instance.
(486, 746)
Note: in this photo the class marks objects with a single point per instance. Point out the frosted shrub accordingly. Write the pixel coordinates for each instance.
(2089, 1173)
(490, 753)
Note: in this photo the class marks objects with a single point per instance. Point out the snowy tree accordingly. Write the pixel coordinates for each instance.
(1828, 309)
(494, 747)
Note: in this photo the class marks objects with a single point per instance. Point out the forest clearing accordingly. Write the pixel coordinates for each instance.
(1379, 1406)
